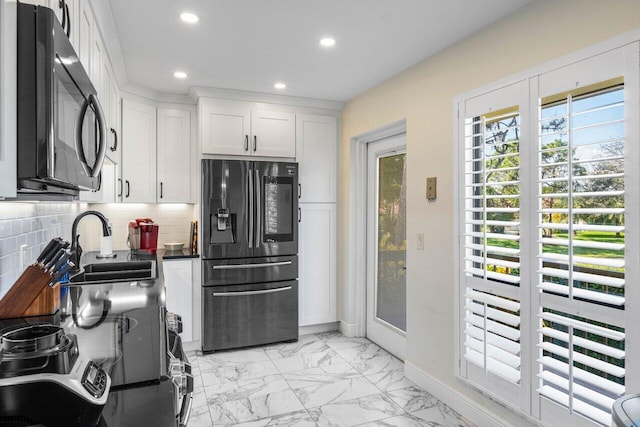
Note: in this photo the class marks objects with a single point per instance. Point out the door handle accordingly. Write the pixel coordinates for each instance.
(66, 10)
(246, 143)
(161, 190)
(128, 188)
(120, 183)
(239, 294)
(299, 190)
(299, 215)
(258, 219)
(61, 5)
(93, 171)
(251, 201)
(115, 140)
(255, 143)
(242, 266)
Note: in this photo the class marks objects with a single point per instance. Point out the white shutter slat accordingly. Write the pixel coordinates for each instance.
(583, 244)
(493, 300)
(612, 299)
(493, 261)
(493, 352)
(493, 326)
(609, 386)
(493, 275)
(494, 366)
(582, 194)
(583, 342)
(605, 262)
(583, 227)
(584, 359)
(578, 405)
(583, 326)
(577, 389)
(493, 339)
(583, 277)
(584, 211)
(492, 313)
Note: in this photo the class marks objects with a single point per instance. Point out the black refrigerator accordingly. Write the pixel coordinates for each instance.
(249, 248)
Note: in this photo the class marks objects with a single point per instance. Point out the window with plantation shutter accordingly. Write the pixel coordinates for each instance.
(549, 239)
(491, 250)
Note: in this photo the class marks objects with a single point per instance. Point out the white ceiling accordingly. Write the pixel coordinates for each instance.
(251, 44)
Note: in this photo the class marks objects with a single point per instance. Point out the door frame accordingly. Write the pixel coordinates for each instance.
(356, 293)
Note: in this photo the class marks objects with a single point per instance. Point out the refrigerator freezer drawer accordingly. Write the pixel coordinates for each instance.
(249, 270)
(246, 315)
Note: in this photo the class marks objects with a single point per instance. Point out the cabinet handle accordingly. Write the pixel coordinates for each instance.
(115, 140)
(299, 215)
(246, 143)
(299, 190)
(61, 5)
(245, 293)
(161, 190)
(255, 143)
(128, 188)
(120, 183)
(66, 9)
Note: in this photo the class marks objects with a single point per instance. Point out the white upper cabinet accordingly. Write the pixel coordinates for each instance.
(317, 155)
(224, 127)
(174, 155)
(234, 128)
(138, 152)
(86, 24)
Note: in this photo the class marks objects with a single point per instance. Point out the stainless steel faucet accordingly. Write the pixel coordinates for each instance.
(76, 249)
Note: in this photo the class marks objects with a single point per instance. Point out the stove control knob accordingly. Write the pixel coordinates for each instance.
(181, 376)
(174, 322)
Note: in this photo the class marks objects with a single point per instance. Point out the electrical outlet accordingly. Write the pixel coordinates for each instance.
(23, 257)
(420, 241)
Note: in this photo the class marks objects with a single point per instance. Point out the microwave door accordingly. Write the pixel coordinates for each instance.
(227, 209)
(68, 105)
(276, 196)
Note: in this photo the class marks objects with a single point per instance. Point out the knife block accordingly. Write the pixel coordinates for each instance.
(30, 295)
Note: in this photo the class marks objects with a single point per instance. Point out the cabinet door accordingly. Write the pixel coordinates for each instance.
(224, 127)
(178, 282)
(8, 94)
(317, 256)
(85, 35)
(174, 155)
(273, 134)
(317, 156)
(138, 152)
(113, 132)
(74, 18)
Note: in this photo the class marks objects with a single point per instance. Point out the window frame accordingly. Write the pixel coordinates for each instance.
(586, 67)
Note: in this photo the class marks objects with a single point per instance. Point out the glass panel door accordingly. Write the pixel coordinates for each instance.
(387, 243)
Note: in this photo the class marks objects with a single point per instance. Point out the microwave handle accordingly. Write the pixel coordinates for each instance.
(102, 140)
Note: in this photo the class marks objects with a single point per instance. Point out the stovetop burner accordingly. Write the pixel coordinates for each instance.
(36, 349)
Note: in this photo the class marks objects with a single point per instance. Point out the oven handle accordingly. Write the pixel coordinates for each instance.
(93, 171)
(242, 293)
(240, 266)
(185, 412)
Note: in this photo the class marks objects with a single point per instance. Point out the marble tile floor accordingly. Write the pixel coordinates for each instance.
(323, 379)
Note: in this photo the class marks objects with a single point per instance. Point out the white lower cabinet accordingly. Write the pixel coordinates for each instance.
(178, 282)
(317, 261)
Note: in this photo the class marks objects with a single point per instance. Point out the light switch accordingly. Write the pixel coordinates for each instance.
(420, 241)
(431, 188)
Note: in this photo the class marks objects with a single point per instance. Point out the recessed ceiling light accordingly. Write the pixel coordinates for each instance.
(189, 18)
(180, 75)
(327, 42)
(280, 86)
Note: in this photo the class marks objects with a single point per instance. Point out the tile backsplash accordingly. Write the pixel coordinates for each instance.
(33, 225)
(173, 219)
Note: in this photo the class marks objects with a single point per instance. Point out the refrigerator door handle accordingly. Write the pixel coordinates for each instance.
(240, 266)
(251, 201)
(244, 293)
(258, 208)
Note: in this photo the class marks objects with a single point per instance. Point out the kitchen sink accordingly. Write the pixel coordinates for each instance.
(115, 271)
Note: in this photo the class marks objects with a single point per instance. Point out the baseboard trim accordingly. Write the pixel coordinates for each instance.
(347, 329)
(468, 409)
(316, 329)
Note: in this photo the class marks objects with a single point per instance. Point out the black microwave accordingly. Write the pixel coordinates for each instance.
(61, 132)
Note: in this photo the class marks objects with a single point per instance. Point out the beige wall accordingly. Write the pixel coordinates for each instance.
(539, 32)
